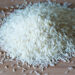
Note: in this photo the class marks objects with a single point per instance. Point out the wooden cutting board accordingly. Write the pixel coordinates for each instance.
(61, 68)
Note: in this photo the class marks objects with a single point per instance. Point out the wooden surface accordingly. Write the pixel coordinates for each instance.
(60, 69)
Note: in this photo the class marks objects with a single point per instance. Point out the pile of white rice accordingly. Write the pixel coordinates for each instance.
(42, 33)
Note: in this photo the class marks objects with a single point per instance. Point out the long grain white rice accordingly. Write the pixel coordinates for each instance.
(42, 33)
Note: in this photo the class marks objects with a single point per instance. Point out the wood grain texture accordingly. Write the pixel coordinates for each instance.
(60, 69)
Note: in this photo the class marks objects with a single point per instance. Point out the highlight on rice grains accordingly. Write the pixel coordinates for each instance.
(42, 33)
